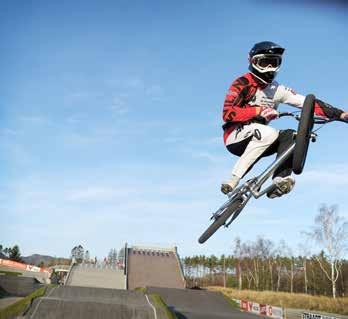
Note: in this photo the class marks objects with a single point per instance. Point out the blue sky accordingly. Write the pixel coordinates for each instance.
(110, 127)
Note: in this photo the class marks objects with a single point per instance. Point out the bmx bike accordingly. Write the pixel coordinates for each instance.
(240, 196)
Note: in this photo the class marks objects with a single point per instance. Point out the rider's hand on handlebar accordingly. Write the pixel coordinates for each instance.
(268, 113)
(344, 116)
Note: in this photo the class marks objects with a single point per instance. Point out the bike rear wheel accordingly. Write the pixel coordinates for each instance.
(221, 220)
(303, 136)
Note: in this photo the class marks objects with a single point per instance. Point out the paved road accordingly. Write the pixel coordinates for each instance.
(19, 286)
(199, 304)
(92, 303)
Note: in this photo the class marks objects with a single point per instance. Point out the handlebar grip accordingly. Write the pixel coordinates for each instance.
(285, 114)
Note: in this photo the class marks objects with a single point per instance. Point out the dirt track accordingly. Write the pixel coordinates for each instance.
(199, 304)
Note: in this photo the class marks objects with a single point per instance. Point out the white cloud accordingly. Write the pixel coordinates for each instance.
(9, 132)
(334, 175)
(211, 157)
(35, 119)
(155, 92)
(76, 118)
(119, 105)
(134, 83)
(97, 194)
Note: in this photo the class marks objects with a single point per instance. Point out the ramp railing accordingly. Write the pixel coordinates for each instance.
(73, 262)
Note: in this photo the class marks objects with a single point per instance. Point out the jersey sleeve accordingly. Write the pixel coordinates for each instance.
(235, 107)
(289, 96)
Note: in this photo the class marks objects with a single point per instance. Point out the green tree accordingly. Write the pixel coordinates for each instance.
(77, 253)
(15, 254)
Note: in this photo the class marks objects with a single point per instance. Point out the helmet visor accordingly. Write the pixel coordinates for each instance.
(264, 61)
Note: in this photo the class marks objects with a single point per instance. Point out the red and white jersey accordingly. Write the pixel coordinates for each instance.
(248, 92)
(275, 94)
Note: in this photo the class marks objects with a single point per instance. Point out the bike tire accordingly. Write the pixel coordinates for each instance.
(303, 136)
(221, 220)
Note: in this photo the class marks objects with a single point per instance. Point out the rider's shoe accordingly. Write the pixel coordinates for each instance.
(230, 185)
(284, 185)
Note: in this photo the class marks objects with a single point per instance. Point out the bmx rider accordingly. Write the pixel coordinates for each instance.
(250, 104)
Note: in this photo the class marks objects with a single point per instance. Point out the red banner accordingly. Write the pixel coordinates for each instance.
(17, 265)
(244, 305)
(261, 309)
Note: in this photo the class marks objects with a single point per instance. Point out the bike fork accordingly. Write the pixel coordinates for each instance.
(245, 199)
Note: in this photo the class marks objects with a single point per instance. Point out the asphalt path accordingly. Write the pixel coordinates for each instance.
(199, 304)
(91, 303)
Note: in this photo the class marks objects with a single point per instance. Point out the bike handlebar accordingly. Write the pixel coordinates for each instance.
(317, 120)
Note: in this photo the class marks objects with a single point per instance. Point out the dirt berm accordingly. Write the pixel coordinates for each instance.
(93, 303)
(199, 304)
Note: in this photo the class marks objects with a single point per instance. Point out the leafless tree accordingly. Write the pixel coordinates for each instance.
(331, 233)
(279, 260)
(305, 252)
(238, 253)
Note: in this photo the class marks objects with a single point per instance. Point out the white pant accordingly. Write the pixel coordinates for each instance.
(249, 142)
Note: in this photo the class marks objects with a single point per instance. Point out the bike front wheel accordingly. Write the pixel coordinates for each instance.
(221, 220)
(303, 136)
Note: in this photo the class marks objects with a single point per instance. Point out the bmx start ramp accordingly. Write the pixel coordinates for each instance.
(93, 303)
(159, 267)
(199, 304)
(89, 275)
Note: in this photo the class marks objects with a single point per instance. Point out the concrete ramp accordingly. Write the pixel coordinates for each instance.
(91, 303)
(199, 304)
(159, 267)
(19, 286)
(43, 277)
(89, 275)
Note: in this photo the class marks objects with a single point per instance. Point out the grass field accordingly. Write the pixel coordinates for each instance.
(17, 308)
(288, 300)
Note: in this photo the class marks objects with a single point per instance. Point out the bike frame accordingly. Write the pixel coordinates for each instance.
(251, 187)
(261, 179)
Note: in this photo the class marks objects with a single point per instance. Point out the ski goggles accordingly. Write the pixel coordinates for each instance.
(267, 60)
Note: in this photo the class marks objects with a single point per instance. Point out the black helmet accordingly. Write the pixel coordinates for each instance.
(265, 59)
